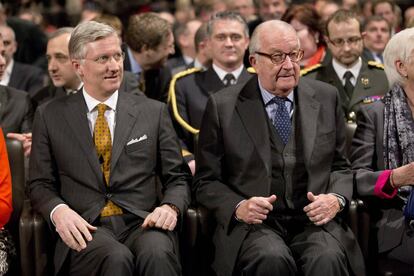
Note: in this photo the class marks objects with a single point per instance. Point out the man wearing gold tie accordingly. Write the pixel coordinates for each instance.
(94, 163)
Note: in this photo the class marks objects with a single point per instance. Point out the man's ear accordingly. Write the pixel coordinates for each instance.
(77, 66)
(252, 60)
(364, 34)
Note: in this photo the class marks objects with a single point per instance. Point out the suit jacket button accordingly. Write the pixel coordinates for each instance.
(108, 196)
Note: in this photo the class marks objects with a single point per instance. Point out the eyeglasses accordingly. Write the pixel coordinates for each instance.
(104, 59)
(279, 57)
(340, 42)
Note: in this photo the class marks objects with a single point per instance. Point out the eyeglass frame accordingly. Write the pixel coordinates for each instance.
(117, 57)
(284, 55)
(350, 41)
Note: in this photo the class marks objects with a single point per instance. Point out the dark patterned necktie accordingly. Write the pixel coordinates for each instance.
(229, 79)
(103, 145)
(281, 119)
(349, 88)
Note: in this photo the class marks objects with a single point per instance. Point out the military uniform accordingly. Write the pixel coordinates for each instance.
(371, 84)
(188, 95)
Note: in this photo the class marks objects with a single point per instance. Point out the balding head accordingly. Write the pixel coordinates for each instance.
(9, 40)
(275, 55)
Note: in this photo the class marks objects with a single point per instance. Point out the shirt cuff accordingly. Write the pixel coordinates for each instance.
(53, 211)
(237, 206)
(383, 186)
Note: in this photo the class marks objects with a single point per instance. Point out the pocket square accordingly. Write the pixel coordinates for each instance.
(136, 140)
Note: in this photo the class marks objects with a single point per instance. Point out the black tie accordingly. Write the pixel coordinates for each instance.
(380, 57)
(228, 79)
(349, 88)
(281, 119)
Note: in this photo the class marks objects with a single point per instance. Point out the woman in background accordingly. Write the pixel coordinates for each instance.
(306, 22)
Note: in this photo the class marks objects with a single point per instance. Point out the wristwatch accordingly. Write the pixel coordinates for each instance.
(341, 202)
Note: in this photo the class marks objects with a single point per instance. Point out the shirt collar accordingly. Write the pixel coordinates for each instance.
(341, 69)
(187, 59)
(73, 91)
(92, 102)
(221, 73)
(135, 67)
(267, 96)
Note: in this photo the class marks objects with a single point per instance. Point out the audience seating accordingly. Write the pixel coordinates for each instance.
(16, 161)
(197, 249)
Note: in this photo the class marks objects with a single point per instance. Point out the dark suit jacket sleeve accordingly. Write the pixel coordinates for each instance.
(174, 174)
(364, 153)
(28, 116)
(209, 186)
(341, 176)
(43, 182)
(183, 134)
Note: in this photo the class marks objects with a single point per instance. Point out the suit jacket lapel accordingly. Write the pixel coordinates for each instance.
(332, 78)
(361, 84)
(208, 81)
(126, 116)
(75, 115)
(254, 117)
(244, 76)
(308, 109)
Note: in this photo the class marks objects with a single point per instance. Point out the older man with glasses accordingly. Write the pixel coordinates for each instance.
(271, 167)
(358, 81)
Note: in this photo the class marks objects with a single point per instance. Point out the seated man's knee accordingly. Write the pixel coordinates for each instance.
(268, 260)
(117, 255)
(327, 261)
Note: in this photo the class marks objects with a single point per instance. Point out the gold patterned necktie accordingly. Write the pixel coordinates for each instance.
(103, 145)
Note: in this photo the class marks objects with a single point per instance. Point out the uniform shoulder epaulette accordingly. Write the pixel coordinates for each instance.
(178, 76)
(375, 64)
(310, 69)
(251, 70)
(173, 101)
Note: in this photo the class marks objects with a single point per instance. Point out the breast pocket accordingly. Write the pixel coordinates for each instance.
(138, 146)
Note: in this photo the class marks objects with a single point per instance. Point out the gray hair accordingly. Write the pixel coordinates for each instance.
(227, 15)
(85, 33)
(277, 25)
(60, 31)
(400, 47)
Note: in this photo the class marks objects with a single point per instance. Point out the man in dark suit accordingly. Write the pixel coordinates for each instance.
(19, 75)
(271, 168)
(184, 34)
(16, 113)
(228, 39)
(149, 42)
(356, 79)
(101, 196)
(376, 34)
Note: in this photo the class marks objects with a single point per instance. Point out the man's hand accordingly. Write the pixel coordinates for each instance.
(25, 138)
(255, 209)
(322, 208)
(72, 228)
(163, 217)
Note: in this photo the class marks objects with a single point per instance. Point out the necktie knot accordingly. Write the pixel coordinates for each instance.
(348, 75)
(279, 100)
(101, 109)
(229, 79)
